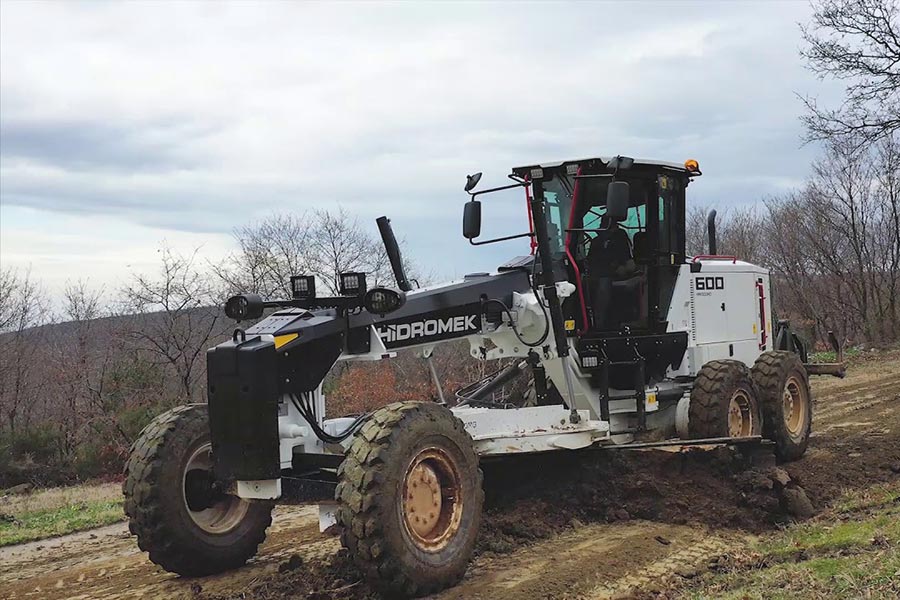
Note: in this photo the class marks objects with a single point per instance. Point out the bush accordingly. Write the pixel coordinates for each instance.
(133, 420)
(31, 455)
(98, 460)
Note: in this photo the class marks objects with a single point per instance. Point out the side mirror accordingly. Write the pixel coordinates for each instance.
(618, 196)
(472, 219)
(472, 181)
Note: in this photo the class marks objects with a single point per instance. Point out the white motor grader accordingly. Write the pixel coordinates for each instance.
(628, 340)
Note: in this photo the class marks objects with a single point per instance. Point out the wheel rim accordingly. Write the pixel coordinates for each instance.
(740, 415)
(432, 499)
(794, 407)
(214, 512)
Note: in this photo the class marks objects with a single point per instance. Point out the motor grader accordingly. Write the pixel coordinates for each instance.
(628, 342)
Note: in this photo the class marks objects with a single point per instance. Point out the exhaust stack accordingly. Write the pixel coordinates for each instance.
(711, 228)
(393, 251)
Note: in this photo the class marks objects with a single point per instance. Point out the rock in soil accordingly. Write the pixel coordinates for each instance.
(797, 503)
(780, 476)
(22, 488)
(292, 564)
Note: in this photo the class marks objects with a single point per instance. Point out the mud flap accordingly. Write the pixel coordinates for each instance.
(243, 409)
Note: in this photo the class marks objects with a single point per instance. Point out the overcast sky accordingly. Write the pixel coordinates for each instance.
(123, 125)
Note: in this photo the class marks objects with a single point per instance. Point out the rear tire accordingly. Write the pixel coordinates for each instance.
(179, 519)
(410, 498)
(724, 402)
(786, 402)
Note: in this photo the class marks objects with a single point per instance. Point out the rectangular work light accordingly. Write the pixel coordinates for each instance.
(589, 362)
(303, 287)
(352, 284)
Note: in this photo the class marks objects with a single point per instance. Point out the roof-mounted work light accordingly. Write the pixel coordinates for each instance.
(352, 284)
(303, 287)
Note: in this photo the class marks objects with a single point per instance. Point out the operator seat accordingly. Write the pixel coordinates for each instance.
(609, 259)
(641, 251)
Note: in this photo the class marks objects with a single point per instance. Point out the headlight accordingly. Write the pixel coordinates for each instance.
(381, 301)
(245, 306)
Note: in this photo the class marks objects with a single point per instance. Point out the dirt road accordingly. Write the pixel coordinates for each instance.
(602, 527)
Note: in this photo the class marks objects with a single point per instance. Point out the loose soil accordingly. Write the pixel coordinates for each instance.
(597, 524)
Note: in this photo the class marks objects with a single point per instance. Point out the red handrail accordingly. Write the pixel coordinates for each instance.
(533, 239)
(574, 264)
(761, 291)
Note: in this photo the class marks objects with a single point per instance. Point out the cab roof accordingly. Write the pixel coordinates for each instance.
(602, 161)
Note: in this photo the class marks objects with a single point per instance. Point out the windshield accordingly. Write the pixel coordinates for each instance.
(657, 210)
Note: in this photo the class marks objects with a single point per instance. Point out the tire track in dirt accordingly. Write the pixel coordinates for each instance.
(591, 562)
(110, 565)
(849, 386)
(862, 396)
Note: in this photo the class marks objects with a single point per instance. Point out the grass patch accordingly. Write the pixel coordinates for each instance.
(58, 511)
(821, 538)
(853, 551)
(829, 356)
(878, 496)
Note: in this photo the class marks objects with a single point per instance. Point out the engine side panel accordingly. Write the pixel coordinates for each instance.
(725, 309)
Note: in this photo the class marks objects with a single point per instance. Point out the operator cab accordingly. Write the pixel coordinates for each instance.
(623, 265)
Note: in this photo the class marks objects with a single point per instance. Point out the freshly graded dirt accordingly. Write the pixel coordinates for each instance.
(599, 524)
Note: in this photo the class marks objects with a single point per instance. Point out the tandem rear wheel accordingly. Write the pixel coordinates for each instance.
(724, 402)
(786, 402)
(409, 499)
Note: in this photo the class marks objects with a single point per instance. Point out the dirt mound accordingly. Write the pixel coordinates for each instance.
(533, 498)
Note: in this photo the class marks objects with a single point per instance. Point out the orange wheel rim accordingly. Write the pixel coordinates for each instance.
(432, 499)
(794, 407)
(740, 415)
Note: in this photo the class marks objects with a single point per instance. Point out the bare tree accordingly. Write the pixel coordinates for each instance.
(834, 246)
(23, 308)
(78, 365)
(178, 318)
(739, 232)
(339, 244)
(319, 243)
(695, 234)
(857, 41)
(269, 252)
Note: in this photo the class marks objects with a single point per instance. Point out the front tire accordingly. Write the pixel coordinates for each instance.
(179, 518)
(724, 402)
(410, 499)
(786, 402)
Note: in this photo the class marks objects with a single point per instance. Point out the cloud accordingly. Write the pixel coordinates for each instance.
(198, 118)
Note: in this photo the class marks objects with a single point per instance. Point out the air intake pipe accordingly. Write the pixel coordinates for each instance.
(711, 228)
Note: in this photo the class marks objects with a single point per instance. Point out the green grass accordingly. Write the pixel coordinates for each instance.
(829, 356)
(852, 551)
(824, 538)
(878, 496)
(58, 511)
